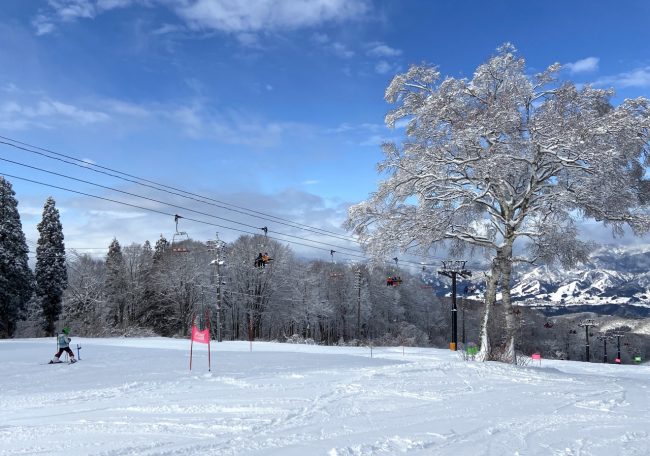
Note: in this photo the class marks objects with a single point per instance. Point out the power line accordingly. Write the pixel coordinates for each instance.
(91, 166)
(165, 203)
(170, 214)
(239, 209)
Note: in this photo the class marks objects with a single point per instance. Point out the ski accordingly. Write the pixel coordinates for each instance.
(62, 362)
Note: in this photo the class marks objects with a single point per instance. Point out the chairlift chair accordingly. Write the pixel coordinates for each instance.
(394, 280)
(179, 238)
(334, 274)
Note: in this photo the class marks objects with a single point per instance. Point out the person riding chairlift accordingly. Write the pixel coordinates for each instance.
(262, 260)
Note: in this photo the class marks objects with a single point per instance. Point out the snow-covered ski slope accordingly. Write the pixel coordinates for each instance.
(137, 397)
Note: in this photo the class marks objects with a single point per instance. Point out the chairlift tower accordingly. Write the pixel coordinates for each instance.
(358, 286)
(587, 323)
(618, 346)
(452, 269)
(605, 338)
(215, 246)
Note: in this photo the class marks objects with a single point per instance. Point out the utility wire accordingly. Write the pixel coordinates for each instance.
(239, 209)
(89, 166)
(168, 204)
(172, 215)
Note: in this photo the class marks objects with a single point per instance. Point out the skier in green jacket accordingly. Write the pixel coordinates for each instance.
(63, 343)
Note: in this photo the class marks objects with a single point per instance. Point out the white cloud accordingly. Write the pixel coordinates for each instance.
(383, 67)
(43, 25)
(165, 29)
(639, 77)
(364, 127)
(231, 126)
(45, 113)
(9, 88)
(237, 16)
(583, 66)
(71, 10)
(341, 50)
(232, 16)
(310, 182)
(375, 140)
(382, 50)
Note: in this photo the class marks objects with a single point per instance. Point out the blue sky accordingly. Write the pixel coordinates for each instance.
(273, 105)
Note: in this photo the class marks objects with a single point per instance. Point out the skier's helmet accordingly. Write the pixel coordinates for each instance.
(66, 331)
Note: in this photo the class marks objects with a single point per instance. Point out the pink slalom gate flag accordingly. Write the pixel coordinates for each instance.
(536, 356)
(202, 337)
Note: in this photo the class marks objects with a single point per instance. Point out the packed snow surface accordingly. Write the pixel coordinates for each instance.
(138, 397)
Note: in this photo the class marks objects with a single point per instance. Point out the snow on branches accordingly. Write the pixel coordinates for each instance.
(505, 156)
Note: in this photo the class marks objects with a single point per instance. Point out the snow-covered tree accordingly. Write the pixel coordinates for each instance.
(51, 271)
(16, 279)
(160, 248)
(84, 298)
(116, 284)
(505, 156)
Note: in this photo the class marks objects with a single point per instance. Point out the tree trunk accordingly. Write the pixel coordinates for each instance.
(490, 299)
(506, 273)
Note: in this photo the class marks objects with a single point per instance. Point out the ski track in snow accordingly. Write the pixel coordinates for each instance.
(137, 397)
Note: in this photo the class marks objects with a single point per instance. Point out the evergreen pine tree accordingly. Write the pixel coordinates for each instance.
(51, 271)
(116, 283)
(16, 279)
(159, 249)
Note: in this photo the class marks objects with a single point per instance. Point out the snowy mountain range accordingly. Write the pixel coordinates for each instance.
(615, 281)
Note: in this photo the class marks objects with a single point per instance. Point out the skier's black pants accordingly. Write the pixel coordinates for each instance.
(66, 349)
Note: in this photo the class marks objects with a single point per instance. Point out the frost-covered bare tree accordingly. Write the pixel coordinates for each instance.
(501, 157)
(84, 299)
(250, 286)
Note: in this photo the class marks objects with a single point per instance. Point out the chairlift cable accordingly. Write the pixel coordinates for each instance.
(165, 188)
(171, 215)
(91, 166)
(163, 202)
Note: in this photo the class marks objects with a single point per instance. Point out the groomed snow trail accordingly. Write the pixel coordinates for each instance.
(137, 397)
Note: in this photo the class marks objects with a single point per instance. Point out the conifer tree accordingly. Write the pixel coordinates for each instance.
(16, 279)
(116, 283)
(51, 270)
(159, 249)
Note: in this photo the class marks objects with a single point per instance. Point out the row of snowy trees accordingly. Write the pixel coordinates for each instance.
(18, 284)
(158, 290)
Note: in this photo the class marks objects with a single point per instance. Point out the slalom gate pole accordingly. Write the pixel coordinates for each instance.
(207, 315)
(191, 344)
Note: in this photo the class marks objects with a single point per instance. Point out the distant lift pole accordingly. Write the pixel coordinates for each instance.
(454, 268)
(618, 346)
(604, 338)
(588, 323)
